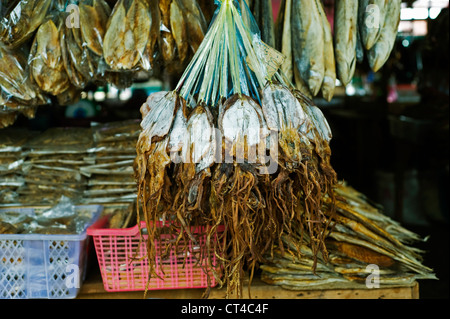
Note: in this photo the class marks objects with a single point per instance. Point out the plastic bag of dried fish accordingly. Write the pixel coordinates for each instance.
(46, 61)
(18, 93)
(19, 20)
(233, 144)
(127, 36)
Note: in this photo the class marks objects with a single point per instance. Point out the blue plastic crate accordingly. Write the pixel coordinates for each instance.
(35, 266)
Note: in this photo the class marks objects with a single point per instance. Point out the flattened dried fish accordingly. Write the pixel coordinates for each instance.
(381, 50)
(127, 34)
(47, 61)
(22, 20)
(346, 33)
(14, 79)
(93, 21)
(139, 22)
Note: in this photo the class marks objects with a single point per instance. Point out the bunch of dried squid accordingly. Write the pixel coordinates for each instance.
(191, 174)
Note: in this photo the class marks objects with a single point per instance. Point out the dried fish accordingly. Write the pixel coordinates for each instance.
(286, 41)
(329, 78)
(196, 23)
(179, 30)
(93, 20)
(371, 17)
(127, 34)
(21, 20)
(47, 65)
(346, 38)
(308, 44)
(167, 42)
(379, 53)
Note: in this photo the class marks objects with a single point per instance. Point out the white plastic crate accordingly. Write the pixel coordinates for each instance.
(35, 266)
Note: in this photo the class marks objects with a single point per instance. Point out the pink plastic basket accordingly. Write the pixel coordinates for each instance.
(124, 265)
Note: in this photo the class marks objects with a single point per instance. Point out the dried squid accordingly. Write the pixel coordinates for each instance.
(253, 158)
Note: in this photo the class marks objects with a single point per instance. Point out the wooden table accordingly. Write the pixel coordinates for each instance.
(93, 289)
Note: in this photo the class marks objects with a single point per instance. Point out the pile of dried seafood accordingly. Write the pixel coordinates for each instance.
(111, 175)
(316, 56)
(232, 147)
(363, 240)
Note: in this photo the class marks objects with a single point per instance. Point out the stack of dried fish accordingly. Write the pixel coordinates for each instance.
(18, 94)
(53, 164)
(363, 242)
(231, 147)
(111, 176)
(11, 159)
(315, 57)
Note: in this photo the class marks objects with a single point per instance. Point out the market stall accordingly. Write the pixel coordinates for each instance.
(212, 142)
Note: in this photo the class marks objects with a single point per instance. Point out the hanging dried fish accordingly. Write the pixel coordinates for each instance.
(75, 59)
(329, 78)
(93, 19)
(21, 20)
(167, 43)
(262, 11)
(127, 34)
(47, 65)
(286, 39)
(345, 39)
(381, 50)
(196, 23)
(179, 30)
(371, 17)
(308, 43)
